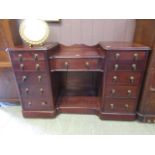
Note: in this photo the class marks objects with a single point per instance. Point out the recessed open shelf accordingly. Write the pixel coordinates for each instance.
(77, 91)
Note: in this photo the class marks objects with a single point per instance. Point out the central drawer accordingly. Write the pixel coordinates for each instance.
(76, 63)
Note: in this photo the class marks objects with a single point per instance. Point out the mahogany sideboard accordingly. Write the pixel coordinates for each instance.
(105, 79)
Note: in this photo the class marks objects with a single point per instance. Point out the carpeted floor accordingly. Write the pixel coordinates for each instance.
(12, 122)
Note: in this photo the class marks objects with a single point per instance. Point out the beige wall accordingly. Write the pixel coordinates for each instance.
(91, 31)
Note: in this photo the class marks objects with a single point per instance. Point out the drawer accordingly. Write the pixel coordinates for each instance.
(29, 66)
(79, 64)
(121, 91)
(31, 78)
(123, 78)
(127, 55)
(36, 104)
(126, 66)
(34, 90)
(24, 56)
(120, 105)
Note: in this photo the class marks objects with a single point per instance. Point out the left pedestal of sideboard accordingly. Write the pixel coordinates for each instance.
(32, 74)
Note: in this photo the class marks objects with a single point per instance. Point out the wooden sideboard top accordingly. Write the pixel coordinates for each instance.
(79, 48)
(123, 46)
(78, 51)
(21, 48)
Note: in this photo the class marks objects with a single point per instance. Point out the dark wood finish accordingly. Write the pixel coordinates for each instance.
(145, 34)
(124, 63)
(36, 96)
(104, 79)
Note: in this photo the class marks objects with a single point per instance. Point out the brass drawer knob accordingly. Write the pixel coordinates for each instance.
(87, 64)
(113, 91)
(129, 92)
(152, 89)
(20, 57)
(135, 56)
(22, 66)
(134, 67)
(24, 78)
(36, 57)
(29, 103)
(27, 90)
(115, 78)
(39, 78)
(117, 55)
(112, 106)
(43, 103)
(37, 67)
(126, 106)
(41, 90)
(66, 64)
(132, 79)
(116, 67)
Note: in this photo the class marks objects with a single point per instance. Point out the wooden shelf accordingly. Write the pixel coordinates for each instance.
(76, 104)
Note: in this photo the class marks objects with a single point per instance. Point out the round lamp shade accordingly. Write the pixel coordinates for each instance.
(34, 32)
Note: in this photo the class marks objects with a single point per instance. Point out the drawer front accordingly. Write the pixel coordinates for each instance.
(121, 91)
(36, 104)
(34, 91)
(120, 105)
(29, 66)
(126, 66)
(24, 56)
(31, 78)
(83, 64)
(123, 78)
(127, 55)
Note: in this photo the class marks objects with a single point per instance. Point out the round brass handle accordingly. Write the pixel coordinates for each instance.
(135, 56)
(43, 103)
(27, 90)
(113, 91)
(41, 90)
(20, 57)
(134, 67)
(37, 67)
(22, 66)
(115, 78)
(29, 103)
(126, 106)
(112, 106)
(87, 64)
(66, 64)
(24, 78)
(116, 67)
(39, 78)
(117, 55)
(132, 79)
(129, 92)
(35, 57)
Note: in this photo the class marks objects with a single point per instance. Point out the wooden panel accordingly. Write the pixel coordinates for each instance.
(9, 36)
(145, 34)
(145, 31)
(8, 89)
